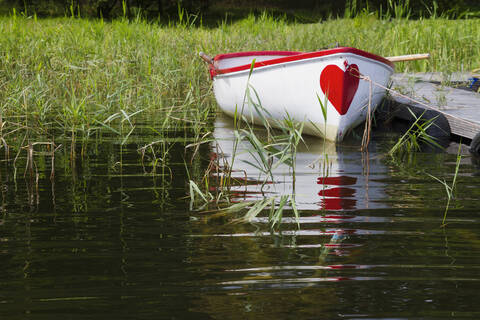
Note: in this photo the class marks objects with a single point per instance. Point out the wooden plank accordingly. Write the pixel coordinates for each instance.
(460, 107)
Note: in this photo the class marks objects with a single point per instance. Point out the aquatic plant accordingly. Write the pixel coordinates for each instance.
(449, 189)
(323, 106)
(265, 154)
(74, 74)
(75, 81)
(412, 140)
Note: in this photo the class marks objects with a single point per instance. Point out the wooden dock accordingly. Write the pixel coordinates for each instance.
(457, 108)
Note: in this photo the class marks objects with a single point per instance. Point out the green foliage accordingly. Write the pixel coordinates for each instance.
(70, 79)
(306, 10)
(74, 74)
(266, 154)
(411, 141)
(450, 189)
(276, 150)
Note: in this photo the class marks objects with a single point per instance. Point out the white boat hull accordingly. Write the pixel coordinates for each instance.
(294, 83)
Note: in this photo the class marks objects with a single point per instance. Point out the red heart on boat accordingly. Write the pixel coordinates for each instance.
(340, 86)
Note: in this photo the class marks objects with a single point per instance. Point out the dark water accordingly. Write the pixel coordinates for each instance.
(110, 240)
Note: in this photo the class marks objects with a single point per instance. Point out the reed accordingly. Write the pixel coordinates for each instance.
(416, 136)
(323, 106)
(449, 189)
(71, 81)
(280, 148)
(75, 74)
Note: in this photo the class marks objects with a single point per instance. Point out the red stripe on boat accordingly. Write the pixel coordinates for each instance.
(290, 56)
(254, 53)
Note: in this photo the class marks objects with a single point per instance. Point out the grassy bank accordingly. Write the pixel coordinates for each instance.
(66, 78)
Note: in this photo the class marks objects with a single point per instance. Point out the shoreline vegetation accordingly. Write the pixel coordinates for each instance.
(212, 11)
(68, 83)
(67, 80)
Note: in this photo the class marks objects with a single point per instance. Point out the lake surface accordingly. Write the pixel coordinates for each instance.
(111, 238)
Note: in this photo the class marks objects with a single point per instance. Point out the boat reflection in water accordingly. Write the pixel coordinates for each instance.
(336, 193)
(327, 176)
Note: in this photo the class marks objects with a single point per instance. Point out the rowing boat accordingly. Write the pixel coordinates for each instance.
(329, 91)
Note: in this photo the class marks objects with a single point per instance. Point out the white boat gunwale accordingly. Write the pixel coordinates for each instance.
(287, 57)
(293, 62)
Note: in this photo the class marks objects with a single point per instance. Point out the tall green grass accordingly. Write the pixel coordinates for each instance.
(69, 78)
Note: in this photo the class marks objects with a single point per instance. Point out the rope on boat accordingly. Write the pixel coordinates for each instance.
(368, 119)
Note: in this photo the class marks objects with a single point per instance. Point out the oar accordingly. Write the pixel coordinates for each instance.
(409, 57)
